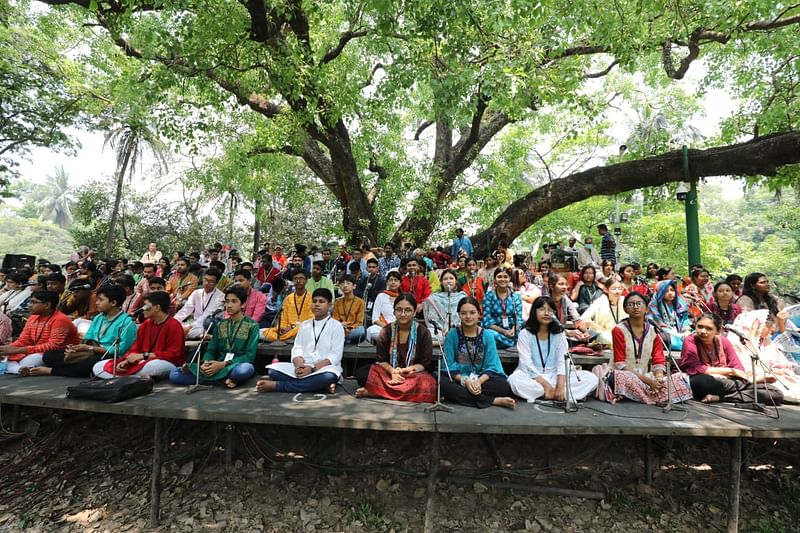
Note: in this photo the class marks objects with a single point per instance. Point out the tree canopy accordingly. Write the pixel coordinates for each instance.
(394, 105)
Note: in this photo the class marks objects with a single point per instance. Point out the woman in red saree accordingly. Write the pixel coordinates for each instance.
(404, 359)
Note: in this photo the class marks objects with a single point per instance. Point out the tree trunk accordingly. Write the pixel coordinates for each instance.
(257, 228)
(231, 211)
(761, 156)
(112, 224)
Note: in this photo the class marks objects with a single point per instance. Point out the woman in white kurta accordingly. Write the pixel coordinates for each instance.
(541, 372)
(383, 308)
(316, 364)
(606, 312)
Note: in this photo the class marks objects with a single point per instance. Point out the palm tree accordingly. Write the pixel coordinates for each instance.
(130, 141)
(57, 199)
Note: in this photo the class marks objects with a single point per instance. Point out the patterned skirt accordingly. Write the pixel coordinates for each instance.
(419, 387)
(628, 384)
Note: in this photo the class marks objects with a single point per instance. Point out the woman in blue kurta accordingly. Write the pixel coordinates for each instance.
(473, 375)
(231, 352)
(669, 310)
(502, 311)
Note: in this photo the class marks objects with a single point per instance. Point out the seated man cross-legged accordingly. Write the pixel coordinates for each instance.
(111, 329)
(201, 305)
(316, 355)
(231, 352)
(159, 346)
(46, 329)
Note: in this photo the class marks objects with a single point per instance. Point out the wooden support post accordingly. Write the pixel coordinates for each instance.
(230, 444)
(155, 476)
(433, 471)
(648, 460)
(734, 476)
(15, 418)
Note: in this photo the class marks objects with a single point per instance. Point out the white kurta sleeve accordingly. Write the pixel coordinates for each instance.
(524, 351)
(560, 348)
(302, 339)
(336, 347)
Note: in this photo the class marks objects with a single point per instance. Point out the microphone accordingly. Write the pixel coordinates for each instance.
(217, 312)
(555, 319)
(654, 324)
(142, 309)
(731, 329)
(71, 289)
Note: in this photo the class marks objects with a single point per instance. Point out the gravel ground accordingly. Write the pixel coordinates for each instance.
(90, 473)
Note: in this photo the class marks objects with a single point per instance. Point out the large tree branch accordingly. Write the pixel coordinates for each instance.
(345, 38)
(758, 157)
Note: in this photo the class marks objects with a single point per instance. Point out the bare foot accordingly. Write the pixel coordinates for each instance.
(24, 371)
(361, 392)
(230, 383)
(505, 401)
(40, 371)
(710, 398)
(332, 388)
(266, 385)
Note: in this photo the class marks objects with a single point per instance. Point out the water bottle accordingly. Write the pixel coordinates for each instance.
(3, 364)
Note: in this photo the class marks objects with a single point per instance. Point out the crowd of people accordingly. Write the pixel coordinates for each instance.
(109, 317)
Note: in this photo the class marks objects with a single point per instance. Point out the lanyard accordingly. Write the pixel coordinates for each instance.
(347, 314)
(613, 314)
(637, 351)
(230, 339)
(314, 331)
(302, 302)
(504, 303)
(108, 324)
(203, 298)
(541, 356)
(473, 355)
(40, 332)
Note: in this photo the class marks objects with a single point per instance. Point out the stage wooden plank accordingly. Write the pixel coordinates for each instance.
(343, 410)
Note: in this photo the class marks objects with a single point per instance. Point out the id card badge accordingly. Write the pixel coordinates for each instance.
(505, 322)
(369, 306)
(472, 376)
(229, 357)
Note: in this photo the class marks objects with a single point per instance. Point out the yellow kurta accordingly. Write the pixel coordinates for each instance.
(294, 311)
(350, 314)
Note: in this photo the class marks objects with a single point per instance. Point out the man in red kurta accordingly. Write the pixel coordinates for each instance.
(47, 329)
(414, 283)
(159, 346)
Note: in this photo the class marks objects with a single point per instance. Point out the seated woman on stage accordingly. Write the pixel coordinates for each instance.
(715, 371)
(565, 309)
(159, 346)
(383, 308)
(112, 328)
(701, 286)
(639, 362)
(669, 310)
(627, 278)
(607, 272)
(441, 308)
(472, 374)
(541, 372)
(316, 355)
(474, 285)
(755, 295)
(606, 312)
(587, 290)
(528, 292)
(404, 359)
(231, 352)
(722, 303)
(502, 311)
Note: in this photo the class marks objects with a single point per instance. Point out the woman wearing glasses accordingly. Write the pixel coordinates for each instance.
(404, 359)
(639, 362)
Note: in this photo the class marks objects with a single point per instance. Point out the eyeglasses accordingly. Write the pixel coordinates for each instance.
(634, 305)
(404, 311)
(617, 289)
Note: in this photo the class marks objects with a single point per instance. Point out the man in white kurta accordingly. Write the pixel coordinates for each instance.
(544, 362)
(316, 364)
(202, 304)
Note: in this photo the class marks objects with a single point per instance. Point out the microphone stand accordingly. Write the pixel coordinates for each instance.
(569, 365)
(666, 408)
(197, 386)
(365, 343)
(754, 359)
(277, 320)
(115, 346)
(438, 405)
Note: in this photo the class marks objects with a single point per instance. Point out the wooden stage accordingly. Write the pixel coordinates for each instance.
(343, 410)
